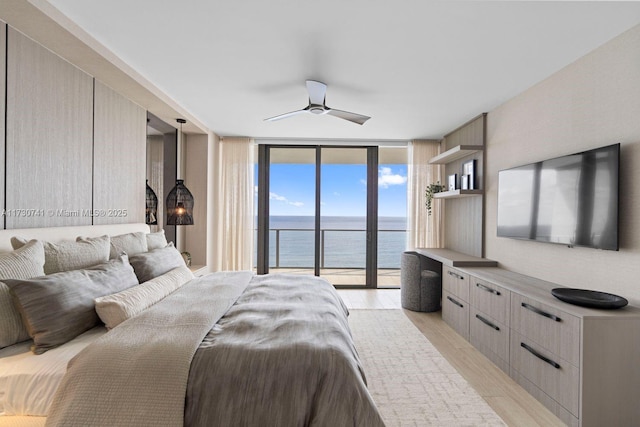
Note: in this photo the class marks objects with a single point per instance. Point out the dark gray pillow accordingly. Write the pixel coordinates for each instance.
(58, 307)
(150, 265)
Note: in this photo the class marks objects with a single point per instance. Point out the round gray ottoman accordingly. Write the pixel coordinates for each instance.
(420, 290)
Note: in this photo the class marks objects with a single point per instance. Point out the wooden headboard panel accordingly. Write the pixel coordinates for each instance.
(57, 234)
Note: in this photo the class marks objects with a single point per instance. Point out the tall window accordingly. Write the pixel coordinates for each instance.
(338, 212)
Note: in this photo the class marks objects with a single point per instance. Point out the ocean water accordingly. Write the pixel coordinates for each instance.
(291, 241)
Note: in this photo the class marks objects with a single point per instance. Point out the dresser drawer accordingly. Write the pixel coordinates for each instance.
(455, 282)
(455, 312)
(489, 336)
(490, 298)
(552, 329)
(551, 373)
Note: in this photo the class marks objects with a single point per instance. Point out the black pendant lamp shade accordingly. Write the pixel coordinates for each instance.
(180, 205)
(180, 199)
(151, 215)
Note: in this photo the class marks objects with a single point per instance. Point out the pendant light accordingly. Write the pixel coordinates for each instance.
(180, 199)
(151, 209)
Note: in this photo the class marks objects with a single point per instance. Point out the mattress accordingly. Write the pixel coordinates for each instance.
(28, 381)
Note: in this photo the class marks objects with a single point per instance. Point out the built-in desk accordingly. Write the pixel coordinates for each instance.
(455, 259)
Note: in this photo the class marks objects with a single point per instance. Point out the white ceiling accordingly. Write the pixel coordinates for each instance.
(418, 68)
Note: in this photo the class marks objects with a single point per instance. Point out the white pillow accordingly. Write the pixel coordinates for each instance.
(130, 243)
(23, 263)
(65, 256)
(116, 308)
(156, 240)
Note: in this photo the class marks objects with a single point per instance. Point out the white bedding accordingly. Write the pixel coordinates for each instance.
(28, 381)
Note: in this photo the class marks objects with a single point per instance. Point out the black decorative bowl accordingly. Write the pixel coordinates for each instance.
(588, 298)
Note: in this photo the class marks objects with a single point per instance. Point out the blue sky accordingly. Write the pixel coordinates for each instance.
(343, 190)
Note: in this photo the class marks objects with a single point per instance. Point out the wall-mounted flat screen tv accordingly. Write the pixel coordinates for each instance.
(570, 200)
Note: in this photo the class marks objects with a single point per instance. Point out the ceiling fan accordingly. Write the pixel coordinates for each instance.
(317, 93)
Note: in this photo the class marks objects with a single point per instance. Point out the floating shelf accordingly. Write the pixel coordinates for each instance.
(455, 153)
(455, 194)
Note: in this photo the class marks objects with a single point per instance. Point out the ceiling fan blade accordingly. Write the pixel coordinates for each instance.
(286, 115)
(352, 117)
(317, 92)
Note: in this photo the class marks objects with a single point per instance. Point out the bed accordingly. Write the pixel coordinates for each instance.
(229, 348)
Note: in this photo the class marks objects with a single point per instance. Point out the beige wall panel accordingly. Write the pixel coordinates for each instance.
(463, 225)
(119, 158)
(49, 134)
(3, 76)
(464, 217)
(471, 133)
(195, 178)
(593, 102)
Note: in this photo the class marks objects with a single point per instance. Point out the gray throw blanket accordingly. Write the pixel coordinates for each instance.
(282, 355)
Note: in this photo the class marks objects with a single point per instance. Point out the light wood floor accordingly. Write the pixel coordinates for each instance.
(510, 401)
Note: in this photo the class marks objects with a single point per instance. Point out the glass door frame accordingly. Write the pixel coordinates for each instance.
(264, 162)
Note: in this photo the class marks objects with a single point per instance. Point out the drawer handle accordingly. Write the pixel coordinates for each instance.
(488, 289)
(486, 322)
(541, 313)
(455, 302)
(451, 273)
(539, 356)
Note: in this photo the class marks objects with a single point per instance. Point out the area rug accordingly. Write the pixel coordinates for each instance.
(410, 381)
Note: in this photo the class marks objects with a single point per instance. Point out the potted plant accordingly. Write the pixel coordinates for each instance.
(431, 190)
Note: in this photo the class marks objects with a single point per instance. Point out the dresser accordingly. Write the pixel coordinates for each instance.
(581, 363)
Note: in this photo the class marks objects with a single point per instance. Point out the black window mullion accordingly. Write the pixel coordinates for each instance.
(317, 211)
(372, 218)
(263, 210)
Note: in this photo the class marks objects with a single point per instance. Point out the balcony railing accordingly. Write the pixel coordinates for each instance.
(339, 248)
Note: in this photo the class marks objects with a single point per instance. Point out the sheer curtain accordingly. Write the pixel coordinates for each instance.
(233, 204)
(423, 231)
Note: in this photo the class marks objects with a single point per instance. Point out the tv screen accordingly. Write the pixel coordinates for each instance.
(570, 200)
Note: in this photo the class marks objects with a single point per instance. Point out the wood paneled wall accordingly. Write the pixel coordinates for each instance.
(66, 160)
(464, 218)
(119, 167)
(49, 137)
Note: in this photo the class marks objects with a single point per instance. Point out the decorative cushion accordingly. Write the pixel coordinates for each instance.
(155, 263)
(23, 263)
(58, 307)
(116, 308)
(130, 243)
(156, 240)
(65, 256)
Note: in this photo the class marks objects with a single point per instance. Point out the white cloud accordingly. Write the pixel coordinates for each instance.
(386, 177)
(279, 198)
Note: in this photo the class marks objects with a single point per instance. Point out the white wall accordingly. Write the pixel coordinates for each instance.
(593, 102)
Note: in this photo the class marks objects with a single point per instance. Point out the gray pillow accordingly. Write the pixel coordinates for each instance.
(58, 307)
(22, 263)
(156, 240)
(65, 256)
(152, 264)
(130, 243)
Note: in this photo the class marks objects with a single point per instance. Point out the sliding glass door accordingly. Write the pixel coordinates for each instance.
(343, 215)
(318, 213)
